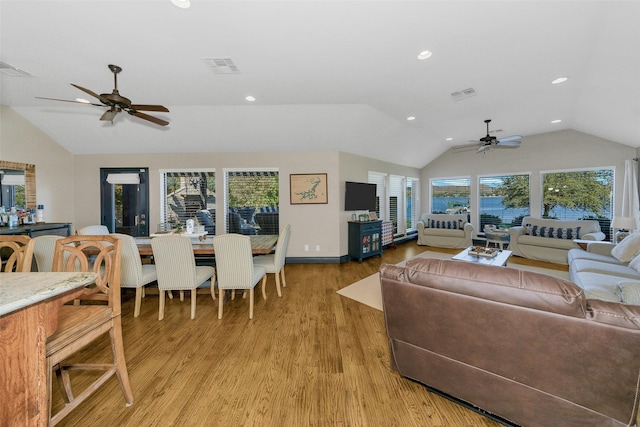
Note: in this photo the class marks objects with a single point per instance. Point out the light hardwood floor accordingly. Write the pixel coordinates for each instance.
(310, 358)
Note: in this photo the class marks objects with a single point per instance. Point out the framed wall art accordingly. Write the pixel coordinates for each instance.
(308, 188)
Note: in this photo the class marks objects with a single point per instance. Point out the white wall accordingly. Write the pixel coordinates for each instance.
(560, 150)
(22, 142)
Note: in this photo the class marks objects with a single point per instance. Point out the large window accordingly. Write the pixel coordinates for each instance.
(188, 194)
(252, 200)
(450, 195)
(579, 194)
(504, 200)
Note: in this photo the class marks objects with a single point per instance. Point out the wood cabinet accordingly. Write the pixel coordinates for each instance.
(365, 239)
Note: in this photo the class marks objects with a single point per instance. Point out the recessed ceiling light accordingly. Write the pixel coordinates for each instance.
(425, 54)
(556, 121)
(250, 98)
(410, 118)
(559, 80)
(182, 4)
(449, 139)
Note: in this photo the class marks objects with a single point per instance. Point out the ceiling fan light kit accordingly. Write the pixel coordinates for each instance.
(118, 103)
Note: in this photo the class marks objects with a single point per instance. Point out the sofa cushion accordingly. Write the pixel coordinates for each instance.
(449, 225)
(635, 263)
(630, 291)
(546, 242)
(626, 250)
(592, 256)
(444, 232)
(599, 286)
(619, 270)
(555, 232)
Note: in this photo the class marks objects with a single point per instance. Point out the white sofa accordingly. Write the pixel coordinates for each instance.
(608, 272)
(444, 231)
(551, 239)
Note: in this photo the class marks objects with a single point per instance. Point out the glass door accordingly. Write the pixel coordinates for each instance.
(124, 196)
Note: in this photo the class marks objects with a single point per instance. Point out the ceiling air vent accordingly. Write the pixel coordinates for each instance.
(221, 65)
(463, 94)
(12, 71)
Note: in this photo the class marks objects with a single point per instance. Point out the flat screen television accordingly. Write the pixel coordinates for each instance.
(359, 196)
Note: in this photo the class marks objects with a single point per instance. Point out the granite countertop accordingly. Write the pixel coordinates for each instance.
(19, 290)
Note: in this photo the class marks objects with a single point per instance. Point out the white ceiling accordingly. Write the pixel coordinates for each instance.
(327, 75)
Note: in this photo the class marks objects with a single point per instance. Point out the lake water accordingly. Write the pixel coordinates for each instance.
(494, 206)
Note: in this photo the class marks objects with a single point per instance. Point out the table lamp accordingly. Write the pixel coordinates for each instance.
(623, 224)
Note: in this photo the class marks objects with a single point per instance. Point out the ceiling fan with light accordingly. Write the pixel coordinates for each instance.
(487, 142)
(116, 102)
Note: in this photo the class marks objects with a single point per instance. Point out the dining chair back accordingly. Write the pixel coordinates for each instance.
(80, 325)
(93, 230)
(43, 249)
(274, 263)
(235, 268)
(176, 269)
(134, 274)
(16, 254)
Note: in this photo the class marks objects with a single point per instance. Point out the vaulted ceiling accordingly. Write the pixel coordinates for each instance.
(326, 75)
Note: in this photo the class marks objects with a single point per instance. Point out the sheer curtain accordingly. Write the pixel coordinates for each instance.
(630, 203)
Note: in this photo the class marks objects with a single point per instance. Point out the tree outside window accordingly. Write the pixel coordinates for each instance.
(504, 200)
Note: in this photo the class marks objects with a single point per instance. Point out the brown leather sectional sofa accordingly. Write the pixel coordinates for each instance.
(526, 347)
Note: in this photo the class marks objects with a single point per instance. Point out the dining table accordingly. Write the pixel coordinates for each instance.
(260, 245)
(29, 304)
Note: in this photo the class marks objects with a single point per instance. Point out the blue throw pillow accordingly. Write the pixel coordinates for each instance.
(449, 225)
(555, 232)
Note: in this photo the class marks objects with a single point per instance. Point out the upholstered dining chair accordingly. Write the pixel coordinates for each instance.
(80, 325)
(16, 253)
(235, 269)
(134, 274)
(93, 230)
(43, 249)
(177, 270)
(274, 263)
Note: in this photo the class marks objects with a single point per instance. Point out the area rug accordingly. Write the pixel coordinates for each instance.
(367, 290)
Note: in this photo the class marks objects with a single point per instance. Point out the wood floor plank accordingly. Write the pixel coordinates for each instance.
(310, 358)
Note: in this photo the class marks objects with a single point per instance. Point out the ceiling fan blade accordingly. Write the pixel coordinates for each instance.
(92, 93)
(510, 138)
(69, 100)
(149, 118)
(466, 147)
(510, 143)
(145, 107)
(109, 115)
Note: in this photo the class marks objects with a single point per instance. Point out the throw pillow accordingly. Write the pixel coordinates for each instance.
(555, 232)
(630, 291)
(626, 250)
(450, 225)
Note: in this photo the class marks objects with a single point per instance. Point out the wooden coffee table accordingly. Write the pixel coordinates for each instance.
(499, 260)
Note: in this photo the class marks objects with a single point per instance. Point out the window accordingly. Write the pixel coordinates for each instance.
(396, 203)
(412, 192)
(188, 194)
(504, 200)
(252, 200)
(450, 195)
(579, 194)
(380, 180)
